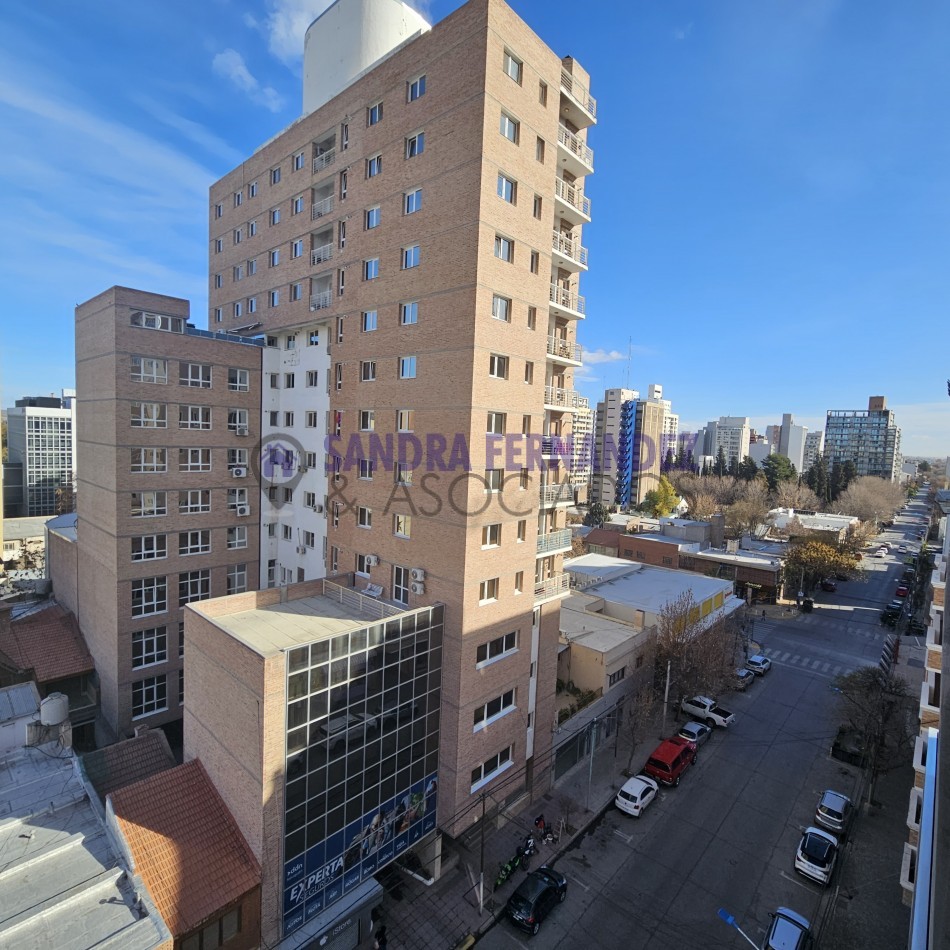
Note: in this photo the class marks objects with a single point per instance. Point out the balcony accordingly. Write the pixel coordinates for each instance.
(320, 254)
(571, 203)
(566, 400)
(324, 159)
(321, 300)
(934, 647)
(930, 702)
(578, 106)
(567, 304)
(551, 495)
(564, 351)
(554, 541)
(573, 154)
(568, 253)
(322, 207)
(552, 588)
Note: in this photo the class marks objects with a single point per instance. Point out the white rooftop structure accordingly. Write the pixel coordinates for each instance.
(813, 521)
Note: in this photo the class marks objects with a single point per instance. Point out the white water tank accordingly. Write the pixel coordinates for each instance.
(349, 37)
(54, 709)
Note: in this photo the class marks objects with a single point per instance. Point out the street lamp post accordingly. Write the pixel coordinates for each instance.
(728, 918)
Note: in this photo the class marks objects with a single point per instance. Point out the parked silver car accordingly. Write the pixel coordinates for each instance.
(833, 811)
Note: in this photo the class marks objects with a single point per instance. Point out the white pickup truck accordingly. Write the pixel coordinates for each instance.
(706, 710)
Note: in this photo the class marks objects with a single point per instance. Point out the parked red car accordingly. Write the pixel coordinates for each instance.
(902, 591)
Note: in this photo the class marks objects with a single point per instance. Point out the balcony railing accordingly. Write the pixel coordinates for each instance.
(567, 300)
(324, 159)
(573, 196)
(320, 254)
(564, 349)
(569, 248)
(322, 207)
(556, 495)
(576, 147)
(321, 300)
(554, 541)
(578, 93)
(552, 587)
(565, 398)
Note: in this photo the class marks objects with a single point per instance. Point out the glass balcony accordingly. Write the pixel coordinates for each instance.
(552, 588)
(554, 541)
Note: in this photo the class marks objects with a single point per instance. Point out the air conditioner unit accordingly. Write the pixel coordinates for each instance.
(318, 509)
(417, 574)
(417, 588)
(243, 510)
(372, 560)
(241, 430)
(239, 471)
(301, 549)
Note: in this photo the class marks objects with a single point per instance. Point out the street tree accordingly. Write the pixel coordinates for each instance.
(778, 468)
(721, 466)
(668, 461)
(795, 494)
(817, 478)
(660, 501)
(596, 515)
(810, 559)
(869, 498)
(642, 713)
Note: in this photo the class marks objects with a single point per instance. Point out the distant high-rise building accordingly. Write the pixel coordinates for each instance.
(814, 446)
(791, 441)
(870, 438)
(611, 428)
(41, 438)
(731, 433)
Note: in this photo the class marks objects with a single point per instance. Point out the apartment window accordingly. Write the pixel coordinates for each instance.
(504, 248)
(415, 144)
(275, 216)
(194, 417)
(372, 218)
(507, 189)
(535, 264)
(368, 371)
(287, 532)
(194, 460)
(364, 517)
(218, 315)
(522, 530)
(338, 372)
(498, 366)
(614, 678)
(409, 312)
(274, 175)
(519, 582)
(271, 572)
(413, 202)
(417, 88)
(252, 304)
(374, 114)
(236, 235)
(148, 504)
(490, 768)
(149, 647)
(509, 127)
(148, 369)
(218, 210)
(157, 321)
(410, 257)
(496, 423)
(181, 702)
(148, 415)
(494, 709)
(237, 579)
(526, 425)
(523, 476)
(374, 165)
(340, 286)
(539, 150)
(362, 565)
(371, 268)
(404, 420)
(149, 460)
(290, 380)
(497, 648)
(239, 380)
(218, 281)
(194, 501)
(273, 258)
(237, 308)
(296, 249)
(366, 470)
(368, 321)
(488, 591)
(501, 308)
(194, 542)
(149, 696)
(251, 230)
(529, 373)
(252, 190)
(493, 479)
(289, 419)
(310, 499)
(401, 580)
(237, 457)
(309, 539)
(310, 419)
(513, 67)
(532, 318)
(237, 420)
(149, 596)
(218, 245)
(537, 207)
(402, 526)
(343, 179)
(543, 92)
(194, 374)
(407, 367)
(273, 298)
(367, 420)
(402, 474)
(344, 137)
(194, 585)
(149, 547)
(299, 161)
(237, 537)
(491, 535)
(273, 380)
(237, 498)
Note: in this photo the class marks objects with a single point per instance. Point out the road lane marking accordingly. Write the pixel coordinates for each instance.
(795, 880)
(620, 834)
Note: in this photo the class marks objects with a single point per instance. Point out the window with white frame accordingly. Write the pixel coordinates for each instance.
(311, 419)
(512, 66)
(401, 580)
(362, 564)
(372, 218)
(407, 367)
(289, 419)
(366, 470)
(374, 165)
(374, 114)
(275, 216)
(149, 647)
(402, 526)
(491, 767)
(415, 144)
(404, 420)
(296, 206)
(364, 517)
(488, 591)
(411, 257)
(251, 230)
(296, 249)
(238, 198)
(368, 321)
(149, 460)
(194, 417)
(312, 377)
(237, 420)
(195, 501)
(273, 257)
(498, 366)
(218, 314)
(416, 88)
(493, 479)
(496, 423)
(504, 248)
(237, 497)
(236, 579)
(300, 160)
(148, 415)
(252, 190)
(149, 547)
(237, 536)
(238, 305)
(218, 245)
(496, 649)
(194, 542)
(252, 304)
(194, 460)
(149, 369)
(409, 312)
(237, 457)
(507, 189)
(157, 321)
(218, 210)
(614, 678)
(494, 709)
(371, 268)
(402, 473)
(367, 371)
(290, 380)
(149, 696)
(501, 308)
(273, 298)
(148, 504)
(367, 420)
(491, 535)
(218, 281)
(194, 585)
(287, 532)
(149, 596)
(309, 539)
(237, 235)
(194, 374)
(413, 201)
(239, 380)
(509, 127)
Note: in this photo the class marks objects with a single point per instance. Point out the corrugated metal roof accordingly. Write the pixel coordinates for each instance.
(17, 701)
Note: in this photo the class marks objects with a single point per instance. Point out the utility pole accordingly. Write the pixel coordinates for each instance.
(590, 768)
(481, 864)
(666, 697)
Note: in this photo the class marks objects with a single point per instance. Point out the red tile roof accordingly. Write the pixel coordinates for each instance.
(49, 643)
(186, 845)
(124, 763)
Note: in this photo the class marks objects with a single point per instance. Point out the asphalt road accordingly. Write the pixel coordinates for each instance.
(727, 836)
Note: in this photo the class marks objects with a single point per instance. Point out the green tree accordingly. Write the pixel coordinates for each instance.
(722, 466)
(834, 481)
(778, 468)
(848, 474)
(596, 515)
(734, 467)
(923, 466)
(660, 501)
(810, 559)
(816, 478)
(748, 469)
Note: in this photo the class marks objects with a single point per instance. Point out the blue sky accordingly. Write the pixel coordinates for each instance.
(770, 203)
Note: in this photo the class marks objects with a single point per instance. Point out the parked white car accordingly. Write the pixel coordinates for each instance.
(636, 794)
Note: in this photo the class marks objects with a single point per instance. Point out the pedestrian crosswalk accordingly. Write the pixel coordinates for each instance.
(807, 663)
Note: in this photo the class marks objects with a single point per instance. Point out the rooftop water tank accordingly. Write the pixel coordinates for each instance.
(54, 709)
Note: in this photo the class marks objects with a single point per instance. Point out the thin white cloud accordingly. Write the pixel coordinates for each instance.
(192, 131)
(680, 33)
(601, 355)
(287, 25)
(229, 64)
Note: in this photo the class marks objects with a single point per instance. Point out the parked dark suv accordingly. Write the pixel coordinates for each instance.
(536, 895)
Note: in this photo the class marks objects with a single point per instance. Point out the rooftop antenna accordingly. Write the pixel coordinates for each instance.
(626, 377)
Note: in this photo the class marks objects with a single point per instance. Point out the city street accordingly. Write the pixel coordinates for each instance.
(727, 836)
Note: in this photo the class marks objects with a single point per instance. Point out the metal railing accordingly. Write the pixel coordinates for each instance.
(320, 254)
(322, 207)
(554, 541)
(324, 159)
(564, 349)
(561, 297)
(556, 495)
(368, 606)
(575, 146)
(552, 586)
(579, 93)
(321, 300)
(572, 195)
(568, 247)
(565, 398)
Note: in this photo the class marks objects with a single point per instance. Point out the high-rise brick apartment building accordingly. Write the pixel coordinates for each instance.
(168, 507)
(427, 212)
(868, 437)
